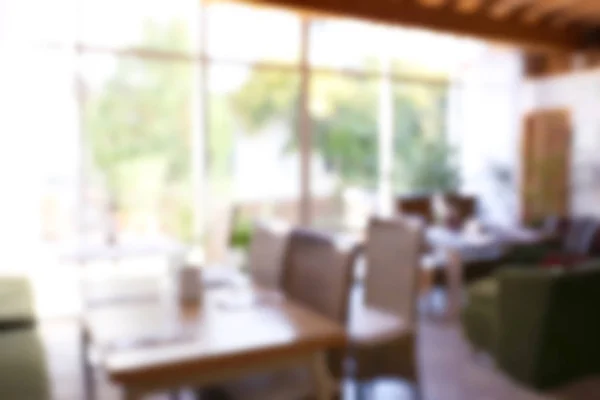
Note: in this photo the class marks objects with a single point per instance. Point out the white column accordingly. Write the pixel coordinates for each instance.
(82, 145)
(304, 127)
(200, 131)
(81, 164)
(386, 137)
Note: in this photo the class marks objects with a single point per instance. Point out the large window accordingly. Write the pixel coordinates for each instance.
(239, 33)
(253, 149)
(344, 111)
(342, 44)
(180, 117)
(137, 123)
(424, 159)
(50, 92)
(40, 22)
(157, 25)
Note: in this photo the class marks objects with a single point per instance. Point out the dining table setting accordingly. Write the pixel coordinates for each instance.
(195, 326)
(163, 343)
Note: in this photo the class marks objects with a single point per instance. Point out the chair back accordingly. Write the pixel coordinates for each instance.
(393, 252)
(416, 206)
(579, 236)
(318, 273)
(465, 206)
(266, 253)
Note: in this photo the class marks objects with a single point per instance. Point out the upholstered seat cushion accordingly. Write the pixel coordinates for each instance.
(16, 302)
(23, 369)
(281, 384)
(481, 314)
(382, 345)
(369, 325)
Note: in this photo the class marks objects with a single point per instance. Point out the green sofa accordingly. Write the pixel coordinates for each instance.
(542, 326)
(23, 367)
(17, 307)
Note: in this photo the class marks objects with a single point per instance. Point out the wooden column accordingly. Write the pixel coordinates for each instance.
(541, 65)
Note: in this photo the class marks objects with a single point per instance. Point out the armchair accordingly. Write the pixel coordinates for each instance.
(539, 324)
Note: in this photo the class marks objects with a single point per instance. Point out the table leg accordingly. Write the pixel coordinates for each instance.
(454, 271)
(321, 376)
(87, 369)
(426, 276)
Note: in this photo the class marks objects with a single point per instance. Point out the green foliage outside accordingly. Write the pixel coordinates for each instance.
(241, 234)
(139, 131)
(138, 124)
(424, 161)
(345, 124)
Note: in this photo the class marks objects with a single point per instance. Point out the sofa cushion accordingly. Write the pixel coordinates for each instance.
(580, 235)
(16, 302)
(563, 261)
(484, 292)
(480, 316)
(23, 369)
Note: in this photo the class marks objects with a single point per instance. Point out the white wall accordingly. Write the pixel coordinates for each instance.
(486, 121)
(580, 93)
(37, 131)
(486, 110)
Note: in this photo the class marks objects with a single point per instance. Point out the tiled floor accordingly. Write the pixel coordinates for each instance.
(450, 370)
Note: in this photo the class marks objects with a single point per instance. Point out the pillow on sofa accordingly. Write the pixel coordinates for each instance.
(563, 261)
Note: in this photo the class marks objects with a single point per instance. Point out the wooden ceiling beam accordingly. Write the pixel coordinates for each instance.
(433, 3)
(583, 11)
(470, 6)
(409, 13)
(503, 9)
(541, 9)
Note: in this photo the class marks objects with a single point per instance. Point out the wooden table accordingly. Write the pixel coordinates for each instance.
(160, 345)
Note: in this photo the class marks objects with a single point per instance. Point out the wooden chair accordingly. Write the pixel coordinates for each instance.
(416, 206)
(266, 253)
(317, 273)
(465, 206)
(383, 331)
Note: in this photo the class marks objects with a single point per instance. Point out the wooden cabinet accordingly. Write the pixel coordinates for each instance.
(546, 164)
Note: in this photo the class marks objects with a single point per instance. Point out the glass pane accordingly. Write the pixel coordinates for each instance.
(254, 169)
(39, 21)
(421, 53)
(55, 106)
(424, 160)
(345, 163)
(150, 24)
(237, 32)
(330, 39)
(138, 125)
(38, 156)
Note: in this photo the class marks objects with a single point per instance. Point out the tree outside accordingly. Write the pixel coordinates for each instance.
(139, 125)
(344, 114)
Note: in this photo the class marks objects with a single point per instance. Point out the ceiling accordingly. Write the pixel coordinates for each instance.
(563, 25)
